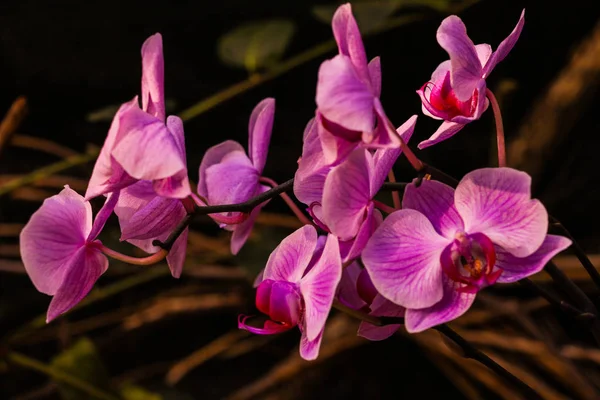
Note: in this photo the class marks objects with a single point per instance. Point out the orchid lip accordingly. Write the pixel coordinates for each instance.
(270, 327)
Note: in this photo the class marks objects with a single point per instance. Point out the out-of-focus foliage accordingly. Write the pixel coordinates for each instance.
(257, 44)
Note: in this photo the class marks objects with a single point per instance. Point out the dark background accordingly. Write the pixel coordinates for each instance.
(73, 57)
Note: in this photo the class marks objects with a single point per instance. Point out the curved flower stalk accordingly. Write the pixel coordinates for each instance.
(445, 245)
(456, 92)
(349, 110)
(60, 251)
(142, 144)
(228, 175)
(356, 291)
(297, 288)
(144, 217)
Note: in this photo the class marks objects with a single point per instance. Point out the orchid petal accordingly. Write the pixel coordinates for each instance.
(176, 256)
(233, 180)
(352, 248)
(484, 51)
(347, 292)
(309, 349)
(83, 270)
(336, 142)
(349, 41)
(342, 97)
(435, 200)
(153, 75)
(242, 231)
(346, 194)
(153, 219)
(318, 288)
(260, 127)
(403, 259)
(381, 307)
(213, 156)
(52, 237)
(384, 135)
(269, 328)
(105, 212)
(505, 47)
(445, 131)
(375, 75)
(515, 268)
(466, 70)
(289, 260)
(497, 202)
(453, 304)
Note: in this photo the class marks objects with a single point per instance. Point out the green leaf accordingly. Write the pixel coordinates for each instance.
(257, 44)
(133, 392)
(82, 361)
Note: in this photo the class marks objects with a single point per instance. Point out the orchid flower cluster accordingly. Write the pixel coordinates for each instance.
(421, 262)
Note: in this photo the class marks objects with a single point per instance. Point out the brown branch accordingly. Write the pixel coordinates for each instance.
(12, 120)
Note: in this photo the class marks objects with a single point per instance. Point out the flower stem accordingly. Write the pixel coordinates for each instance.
(499, 128)
(555, 301)
(150, 260)
(59, 375)
(383, 207)
(395, 194)
(295, 209)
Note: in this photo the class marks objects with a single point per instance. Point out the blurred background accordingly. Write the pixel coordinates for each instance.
(143, 335)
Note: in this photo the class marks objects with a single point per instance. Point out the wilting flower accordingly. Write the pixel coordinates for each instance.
(228, 175)
(349, 110)
(457, 90)
(356, 290)
(144, 217)
(60, 251)
(435, 254)
(297, 288)
(141, 144)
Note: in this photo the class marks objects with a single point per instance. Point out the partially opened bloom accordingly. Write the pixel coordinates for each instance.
(228, 175)
(456, 93)
(60, 251)
(349, 110)
(297, 288)
(435, 254)
(144, 217)
(142, 144)
(356, 291)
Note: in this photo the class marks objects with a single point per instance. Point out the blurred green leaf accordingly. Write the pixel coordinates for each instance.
(257, 44)
(82, 361)
(133, 392)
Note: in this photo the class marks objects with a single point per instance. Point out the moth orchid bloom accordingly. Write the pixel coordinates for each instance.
(356, 291)
(60, 251)
(296, 291)
(142, 144)
(445, 245)
(228, 175)
(348, 209)
(456, 93)
(144, 217)
(348, 89)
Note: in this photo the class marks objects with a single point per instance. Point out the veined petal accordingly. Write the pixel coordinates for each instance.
(312, 167)
(83, 270)
(497, 202)
(347, 292)
(336, 142)
(269, 328)
(309, 349)
(318, 288)
(213, 156)
(52, 237)
(233, 180)
(505, 47)
(484, 51)
(153, 219)
(445, 131)
(466, 70)
(515, 268)
(381, 307)
(260, 127)
(176, 256)
(147, 150)
(349, 41)
(352, 248)
(403, 259)
(435, 200)
(384, 135)
(375, 75)
(289, 260)
(342, 97)
(453, 304)
(346, 194)
(105, 212)
(153, 77)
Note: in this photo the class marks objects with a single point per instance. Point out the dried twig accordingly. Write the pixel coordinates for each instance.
(13, 118)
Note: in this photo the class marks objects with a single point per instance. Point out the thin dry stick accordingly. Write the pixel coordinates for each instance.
(44, 145)
(12, 120)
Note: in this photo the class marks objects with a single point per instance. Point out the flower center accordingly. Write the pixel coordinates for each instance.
(443, 99)
(280, 300)
(470, 260)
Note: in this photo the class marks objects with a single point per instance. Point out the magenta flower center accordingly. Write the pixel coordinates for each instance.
(443, 99)
(470, 260)
(280, 300)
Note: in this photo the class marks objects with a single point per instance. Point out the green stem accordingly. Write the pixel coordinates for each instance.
(58, 375)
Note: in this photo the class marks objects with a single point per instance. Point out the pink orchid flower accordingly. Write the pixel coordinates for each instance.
(142, 144)
(228, 175)
(435, 254)
(456, 93)
(297, 288)
(60, 251)
(349, 110)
